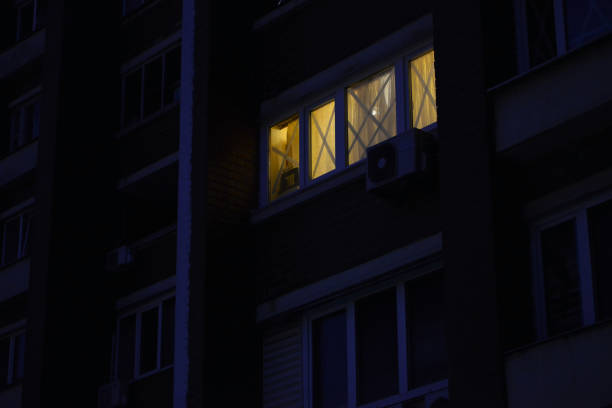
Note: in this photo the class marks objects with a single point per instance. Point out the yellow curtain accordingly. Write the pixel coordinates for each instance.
(322, 128)
(423, 91)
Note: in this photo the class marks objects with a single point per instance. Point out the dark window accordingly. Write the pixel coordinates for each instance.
(426, 322)
(131, 5)
(5, 350)
(173, 77)
(561, 278)
(41, 13)
(376, 342)
(133, 89)
(586, 20)
(600, 241)
(148, 340)
(10, 243)
(541, 30)
(152, 86)
(127, 339)
(19, 357)
(167, 352)
(25, 21)
(329, 361)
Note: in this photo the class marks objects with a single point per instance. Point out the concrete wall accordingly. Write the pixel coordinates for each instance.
(574, 370)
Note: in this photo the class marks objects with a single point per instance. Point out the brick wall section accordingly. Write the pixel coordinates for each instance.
(338, 230)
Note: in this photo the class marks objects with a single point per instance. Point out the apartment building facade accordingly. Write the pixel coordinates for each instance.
(305, 203)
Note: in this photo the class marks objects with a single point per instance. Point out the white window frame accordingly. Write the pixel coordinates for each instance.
(578, 213)
(9, 216)
(138, 63)
(12, 332)
(332, 84)
(157, 302)
(347, 305)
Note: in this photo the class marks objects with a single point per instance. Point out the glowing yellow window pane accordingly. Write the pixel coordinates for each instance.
(423, 90)
(284, 158)
(322, 140)
(370, 113)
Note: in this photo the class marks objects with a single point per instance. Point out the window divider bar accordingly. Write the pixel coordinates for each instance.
(538, 284)
(138, 340)
(11, 360)
(264, 160)
(401, 90)
(351, 358)
(402, 338)
(303, 165)
(159, 334)
(142, 91)
(340, 118)
(307, 362)
(585, 272)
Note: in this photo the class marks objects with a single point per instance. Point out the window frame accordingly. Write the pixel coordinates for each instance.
(347, 304)
(137, 311)
(19, 5)
(20, 105)
(161, 50)
(17, 212)
(336, 90)
(12, 331)
(577, 212)
(561, 40)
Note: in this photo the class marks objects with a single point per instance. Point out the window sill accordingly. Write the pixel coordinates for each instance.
(150, 374)
(134, 14)
(18, 149)
(327, 183)
(278, 13)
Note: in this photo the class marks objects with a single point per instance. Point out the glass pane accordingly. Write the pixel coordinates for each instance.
(370, 113)
(15, 135)
(5, 344)
(19, 357)
(28, 124)
(427, 341)
(322, 140)
(35, 120)
(133, 85)
(148, 340)
(127, 341)
(376, 341)
(26, 20)
(41, 13)
(167, 351)
(11, 240)
(329, 361)
(423, 91)
(541, 30)
(284, 157)
(152, 86)
(172, 82)
(600, 231)
(561, 279)
(586, 20)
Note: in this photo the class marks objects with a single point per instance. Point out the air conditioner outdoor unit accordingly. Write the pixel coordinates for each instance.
(112, 395)
(396, 157)
(437, 399)
(119, 257)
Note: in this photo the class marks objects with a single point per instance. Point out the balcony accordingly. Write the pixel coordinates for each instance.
(22, 53)
(550, 94)
(11, 397)
(18, 163)
(571, 370)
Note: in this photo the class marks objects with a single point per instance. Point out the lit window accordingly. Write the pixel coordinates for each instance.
(423, 91)
(370, 113)
(12, 357)
(145, 340)
(15, 238)
(343, 122)
(322, 140)
(151, 87)
(284, 157)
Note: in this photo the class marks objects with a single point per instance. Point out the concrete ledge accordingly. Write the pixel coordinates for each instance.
(14, 280)
(22, 53)
(543, 98)
(18, 163)
(571, 370)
